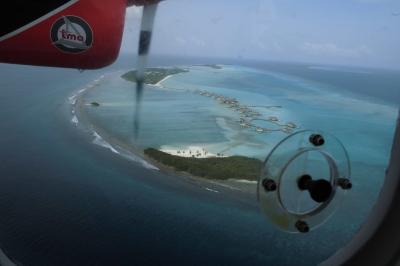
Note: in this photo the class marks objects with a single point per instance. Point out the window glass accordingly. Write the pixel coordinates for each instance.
(227, 81)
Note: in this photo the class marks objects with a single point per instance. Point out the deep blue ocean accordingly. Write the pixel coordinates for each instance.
(65, 201)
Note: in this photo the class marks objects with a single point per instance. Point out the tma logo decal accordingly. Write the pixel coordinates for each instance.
(71, 34)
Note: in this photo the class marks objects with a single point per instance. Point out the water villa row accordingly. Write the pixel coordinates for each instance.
(248, 115)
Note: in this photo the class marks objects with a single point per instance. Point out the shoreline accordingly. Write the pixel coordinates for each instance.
(130, 152)
(102, 138)
(188, 151)
(159, 84)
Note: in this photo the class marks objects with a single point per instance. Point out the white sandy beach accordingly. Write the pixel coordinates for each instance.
(159, 84)
(190, 151)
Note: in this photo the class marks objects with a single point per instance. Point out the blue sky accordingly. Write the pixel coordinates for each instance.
(346, 32)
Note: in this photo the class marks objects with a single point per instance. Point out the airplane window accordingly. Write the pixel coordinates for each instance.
(261, 136)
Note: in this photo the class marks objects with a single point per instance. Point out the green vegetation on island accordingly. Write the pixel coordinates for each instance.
(215, 66)
(95, 104)
(153, 75)
(235, 167)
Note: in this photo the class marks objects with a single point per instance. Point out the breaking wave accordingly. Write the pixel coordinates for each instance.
(75, 120)
(98, 140)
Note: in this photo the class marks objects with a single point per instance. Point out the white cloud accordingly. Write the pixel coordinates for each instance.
(332, 50)
(197, 41)
(189, 41)
(180, 41)
(266, 11)
(269, 45)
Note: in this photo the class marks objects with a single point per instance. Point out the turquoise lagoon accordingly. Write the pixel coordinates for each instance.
(175, 114)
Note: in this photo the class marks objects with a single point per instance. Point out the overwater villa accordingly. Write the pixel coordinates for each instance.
(273, 119)
(245, 124)
(291, 125)
(286, 130)
(260, 130)
(247, 114)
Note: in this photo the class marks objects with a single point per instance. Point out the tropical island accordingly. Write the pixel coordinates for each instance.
(196, 160)
(214, 66)
(221, 168)
(152, 76)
